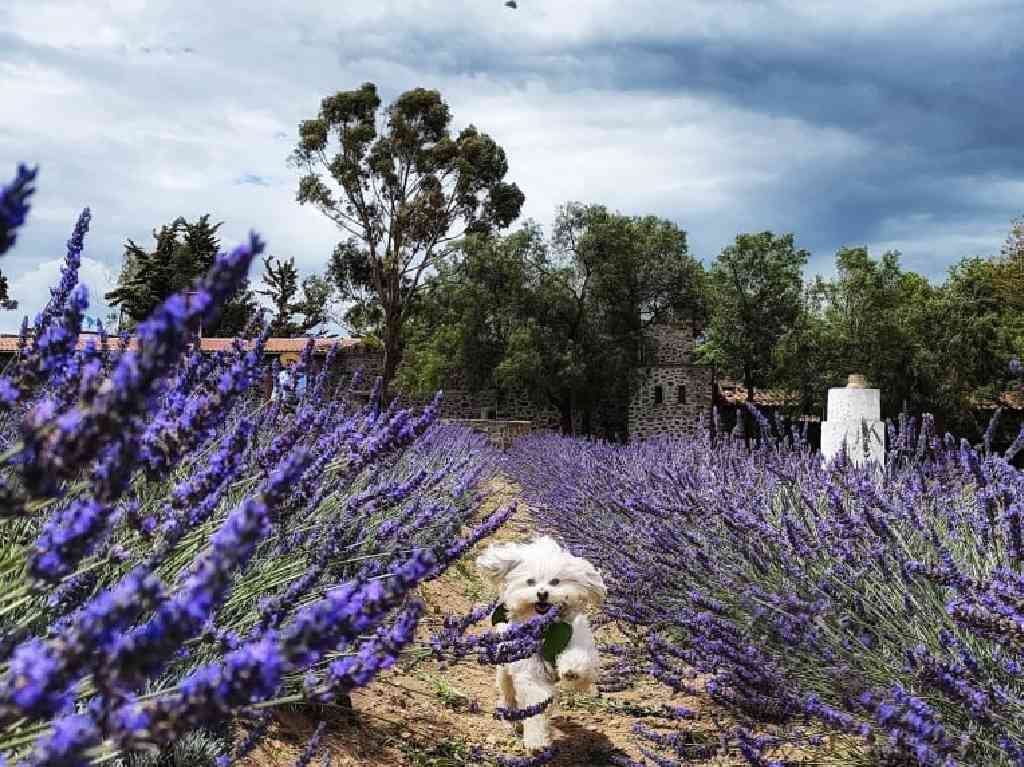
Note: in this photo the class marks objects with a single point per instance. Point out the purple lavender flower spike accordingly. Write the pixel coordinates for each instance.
(248, 675)
(41, 674)
(66, 744)
(306, 758)
(145, 649)
(68, 274)
(14, 205)
(374, 656)
(57, 448)
(68, 536)
(520, 714)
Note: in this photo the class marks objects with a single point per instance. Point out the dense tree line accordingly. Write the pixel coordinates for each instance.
(564, 318)
(428, 267)
(561, 319)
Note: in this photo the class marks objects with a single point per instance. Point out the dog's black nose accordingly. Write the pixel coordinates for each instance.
(542, 596)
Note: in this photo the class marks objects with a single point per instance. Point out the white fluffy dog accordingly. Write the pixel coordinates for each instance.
(531, 578)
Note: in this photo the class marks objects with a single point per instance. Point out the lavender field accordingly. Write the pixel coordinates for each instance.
(176, 554)
(180, 560)
(883, 604)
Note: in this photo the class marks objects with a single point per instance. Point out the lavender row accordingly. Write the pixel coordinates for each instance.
(884, 604)
(176, 553)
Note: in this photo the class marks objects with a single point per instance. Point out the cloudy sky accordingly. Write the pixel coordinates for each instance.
(890, 124)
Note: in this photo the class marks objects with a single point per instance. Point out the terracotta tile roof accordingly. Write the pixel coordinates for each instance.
(1010, 400)
(734, 393)
(284, 345)
(274, 345)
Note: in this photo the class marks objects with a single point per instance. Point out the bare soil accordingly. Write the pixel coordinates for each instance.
(421, 714)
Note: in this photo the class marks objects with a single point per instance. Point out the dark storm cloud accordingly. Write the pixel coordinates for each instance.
(252, 178)
(894, 125)
(935, 95)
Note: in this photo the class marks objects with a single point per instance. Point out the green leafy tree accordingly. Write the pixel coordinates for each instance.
(406, 190)
(298, 309)
(561, 319)
(804, 357)
(929, 348)
(468, 313)
(1008, 279)
(967, 341)
(349, 272)
(6, 302)
(184, 251)
(755, 291)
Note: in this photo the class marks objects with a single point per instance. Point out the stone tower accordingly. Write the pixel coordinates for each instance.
(670, 393)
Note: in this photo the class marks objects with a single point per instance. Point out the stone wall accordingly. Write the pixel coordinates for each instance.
(670, 395)
(369, 361)
(671, 416)
(670, 345)
(500, 434)
(461, 404)
(670, 355)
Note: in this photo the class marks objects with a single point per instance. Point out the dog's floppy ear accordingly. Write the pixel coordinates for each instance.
(593, 583)
(498, 560)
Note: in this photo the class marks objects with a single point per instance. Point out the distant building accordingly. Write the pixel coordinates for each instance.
(670, 392)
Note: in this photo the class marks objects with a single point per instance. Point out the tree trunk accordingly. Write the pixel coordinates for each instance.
(748, 382)
(565, 412)
(392, 351)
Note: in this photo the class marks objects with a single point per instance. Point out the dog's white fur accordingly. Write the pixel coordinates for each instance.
(528, 574)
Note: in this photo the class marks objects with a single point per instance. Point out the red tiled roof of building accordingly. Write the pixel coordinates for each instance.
(1012, 399)
(274, 345)
(734, 393)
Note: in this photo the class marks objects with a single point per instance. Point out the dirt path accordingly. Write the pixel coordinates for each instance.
(422, 714)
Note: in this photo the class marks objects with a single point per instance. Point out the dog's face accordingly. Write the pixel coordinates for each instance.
(533, 577)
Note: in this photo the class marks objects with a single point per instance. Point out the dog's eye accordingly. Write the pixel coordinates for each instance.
(531, 582)
(555, 581)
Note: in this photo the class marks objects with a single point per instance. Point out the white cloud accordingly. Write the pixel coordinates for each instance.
(145, 137)
(32, 290)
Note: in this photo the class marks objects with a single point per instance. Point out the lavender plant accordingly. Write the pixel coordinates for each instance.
(883, 604)
(176, 553)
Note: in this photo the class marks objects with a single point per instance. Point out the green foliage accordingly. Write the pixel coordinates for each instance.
(349, 272)
(556, 639)
(450, 697)
(283, 289)
(182, 254)
(929, 348)
(755, 290)
(199, 748)
(406, 188)
(562, 319)
(6, 302)
(448, 752)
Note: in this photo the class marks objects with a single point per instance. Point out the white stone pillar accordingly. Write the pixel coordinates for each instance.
(850, 409)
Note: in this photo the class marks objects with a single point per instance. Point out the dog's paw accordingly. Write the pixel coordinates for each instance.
(577, 669)
(536, 738)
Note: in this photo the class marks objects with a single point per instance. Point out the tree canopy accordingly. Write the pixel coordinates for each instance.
(938, 348)
(755, 289)
(298, 308)
(184, 251)
(561, 319)
(403, 190)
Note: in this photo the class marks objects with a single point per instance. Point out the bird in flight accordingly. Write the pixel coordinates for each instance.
(511, 4)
